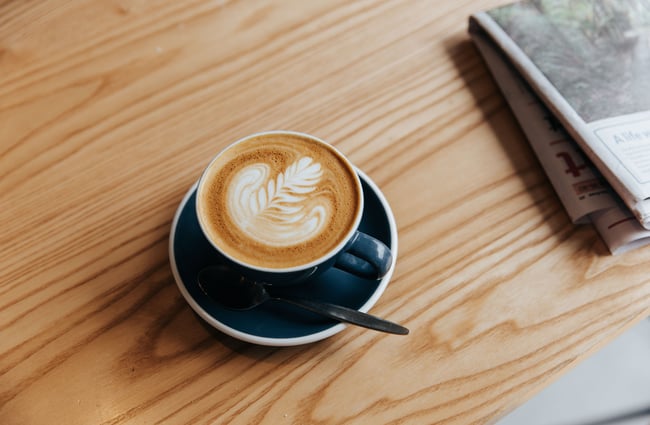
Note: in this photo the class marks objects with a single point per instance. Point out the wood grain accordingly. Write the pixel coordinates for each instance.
(110, 109)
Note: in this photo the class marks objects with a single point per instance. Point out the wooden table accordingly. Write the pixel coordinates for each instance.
(109, 110)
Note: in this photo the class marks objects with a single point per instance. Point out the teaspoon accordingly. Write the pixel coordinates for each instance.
(226, 287)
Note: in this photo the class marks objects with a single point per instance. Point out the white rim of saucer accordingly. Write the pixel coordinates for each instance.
(285, 342)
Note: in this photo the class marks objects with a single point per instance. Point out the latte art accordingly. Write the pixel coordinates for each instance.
(277, 210)
(279, 200)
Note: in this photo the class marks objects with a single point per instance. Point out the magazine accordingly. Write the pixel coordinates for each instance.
(585, 195)
(588, 62)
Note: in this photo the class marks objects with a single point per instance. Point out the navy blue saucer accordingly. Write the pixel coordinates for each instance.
(275, 323)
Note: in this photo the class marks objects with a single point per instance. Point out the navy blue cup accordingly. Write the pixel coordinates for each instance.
(358, 253)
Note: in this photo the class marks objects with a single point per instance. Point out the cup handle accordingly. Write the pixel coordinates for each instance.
(365, 256)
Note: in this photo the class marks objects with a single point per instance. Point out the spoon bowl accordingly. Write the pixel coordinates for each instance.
(230, 289)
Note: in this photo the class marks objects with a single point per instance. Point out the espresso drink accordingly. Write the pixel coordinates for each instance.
(279, 200)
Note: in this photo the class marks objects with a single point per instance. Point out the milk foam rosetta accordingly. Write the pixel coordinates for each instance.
(278, 210)
(279, 200)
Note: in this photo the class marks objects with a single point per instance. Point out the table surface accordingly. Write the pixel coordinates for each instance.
(109, 110)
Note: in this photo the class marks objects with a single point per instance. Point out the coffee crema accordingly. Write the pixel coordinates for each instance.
(279, 200)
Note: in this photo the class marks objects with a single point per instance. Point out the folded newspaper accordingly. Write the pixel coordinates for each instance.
(589, 63)
(553, 127)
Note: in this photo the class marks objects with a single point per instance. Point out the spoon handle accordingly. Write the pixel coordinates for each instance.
(347, 315)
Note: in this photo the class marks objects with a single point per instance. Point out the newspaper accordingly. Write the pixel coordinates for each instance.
(585, 195)
(588, 62)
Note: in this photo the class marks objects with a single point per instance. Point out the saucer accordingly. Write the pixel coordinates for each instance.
(275, 323)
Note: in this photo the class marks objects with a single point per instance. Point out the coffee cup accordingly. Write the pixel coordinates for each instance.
(283, 206)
